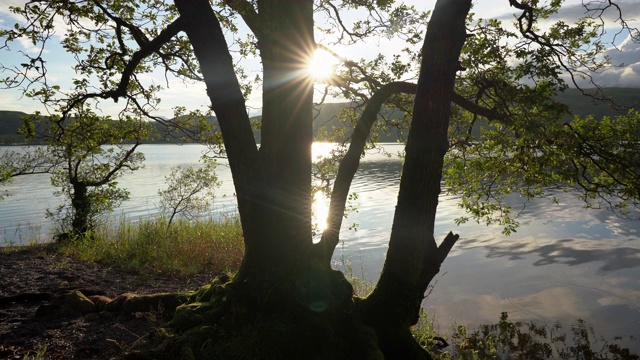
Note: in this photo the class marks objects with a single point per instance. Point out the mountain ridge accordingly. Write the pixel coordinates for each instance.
(326, 116)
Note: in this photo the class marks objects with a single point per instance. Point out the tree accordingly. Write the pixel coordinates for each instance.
(285, 286)
(84, 154)
(188, 191)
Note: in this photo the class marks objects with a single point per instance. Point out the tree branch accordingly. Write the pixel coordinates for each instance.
(121, 90)
(248, 14)
(227, 101)
(351, 161)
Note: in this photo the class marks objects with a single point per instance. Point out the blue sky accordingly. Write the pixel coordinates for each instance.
(626, 54)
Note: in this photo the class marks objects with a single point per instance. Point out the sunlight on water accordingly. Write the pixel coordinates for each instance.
(320, 211)
(322, 150)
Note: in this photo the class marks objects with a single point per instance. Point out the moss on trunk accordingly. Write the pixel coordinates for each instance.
(219, 321)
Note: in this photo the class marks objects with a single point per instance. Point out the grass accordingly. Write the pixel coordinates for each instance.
(40, 353)
(28, 234)
(150, 246)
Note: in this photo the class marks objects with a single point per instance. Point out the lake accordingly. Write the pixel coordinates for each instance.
(564, 263)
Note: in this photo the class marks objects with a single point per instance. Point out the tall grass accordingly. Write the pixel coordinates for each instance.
(22, 235)
(151, 246)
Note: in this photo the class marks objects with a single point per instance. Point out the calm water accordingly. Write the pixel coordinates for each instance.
(564, 263)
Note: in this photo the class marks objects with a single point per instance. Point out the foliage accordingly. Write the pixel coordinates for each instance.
(189, 191)
(598, 157)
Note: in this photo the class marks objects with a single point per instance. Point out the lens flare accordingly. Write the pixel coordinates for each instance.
(321, 66)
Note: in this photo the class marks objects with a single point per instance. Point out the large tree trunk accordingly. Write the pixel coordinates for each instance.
(285, 149)
(273, 185)
(414, 258)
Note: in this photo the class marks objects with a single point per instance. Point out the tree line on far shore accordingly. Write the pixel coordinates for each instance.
(327, 119)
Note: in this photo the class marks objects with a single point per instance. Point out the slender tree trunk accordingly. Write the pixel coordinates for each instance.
(210, 47)
(81, 205)
(350, 163)
(414, 258)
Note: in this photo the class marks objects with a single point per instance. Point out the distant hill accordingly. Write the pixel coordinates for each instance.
(10, 122)
(583, 105)
(326, 115)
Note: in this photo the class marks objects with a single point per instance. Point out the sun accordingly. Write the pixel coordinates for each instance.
(322, 65)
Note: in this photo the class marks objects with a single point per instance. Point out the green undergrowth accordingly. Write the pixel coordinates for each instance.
(23, 235)
(151, 246)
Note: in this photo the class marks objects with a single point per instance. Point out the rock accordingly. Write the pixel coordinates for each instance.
(89, 291)
(161, 302)
(100, 301)
(73, 303)
(68, 303)
(44, 310)
(117, 304)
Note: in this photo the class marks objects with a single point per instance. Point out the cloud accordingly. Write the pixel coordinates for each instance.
(571, 11)
(623, 51)
(625, 67)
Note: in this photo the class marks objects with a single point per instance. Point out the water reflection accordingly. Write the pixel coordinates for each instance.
(570, 252)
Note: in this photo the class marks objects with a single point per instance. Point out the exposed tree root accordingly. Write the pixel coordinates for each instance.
(220, 321)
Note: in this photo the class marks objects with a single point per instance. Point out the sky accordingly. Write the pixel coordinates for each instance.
(625, 54)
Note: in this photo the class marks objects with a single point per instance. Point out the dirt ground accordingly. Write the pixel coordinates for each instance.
(29, 277)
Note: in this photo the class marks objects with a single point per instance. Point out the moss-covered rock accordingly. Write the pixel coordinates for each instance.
(117, 304)
(162, 302)
(100, 301)
(67, 303)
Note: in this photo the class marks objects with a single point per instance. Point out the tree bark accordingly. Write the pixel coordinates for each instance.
(273, 184)
(414, 258)
(285, 149)
(81, 205)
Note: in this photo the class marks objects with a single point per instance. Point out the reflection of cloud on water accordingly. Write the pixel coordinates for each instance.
(569, 252)
(551, 304)
(610, 300)
(628, 228)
